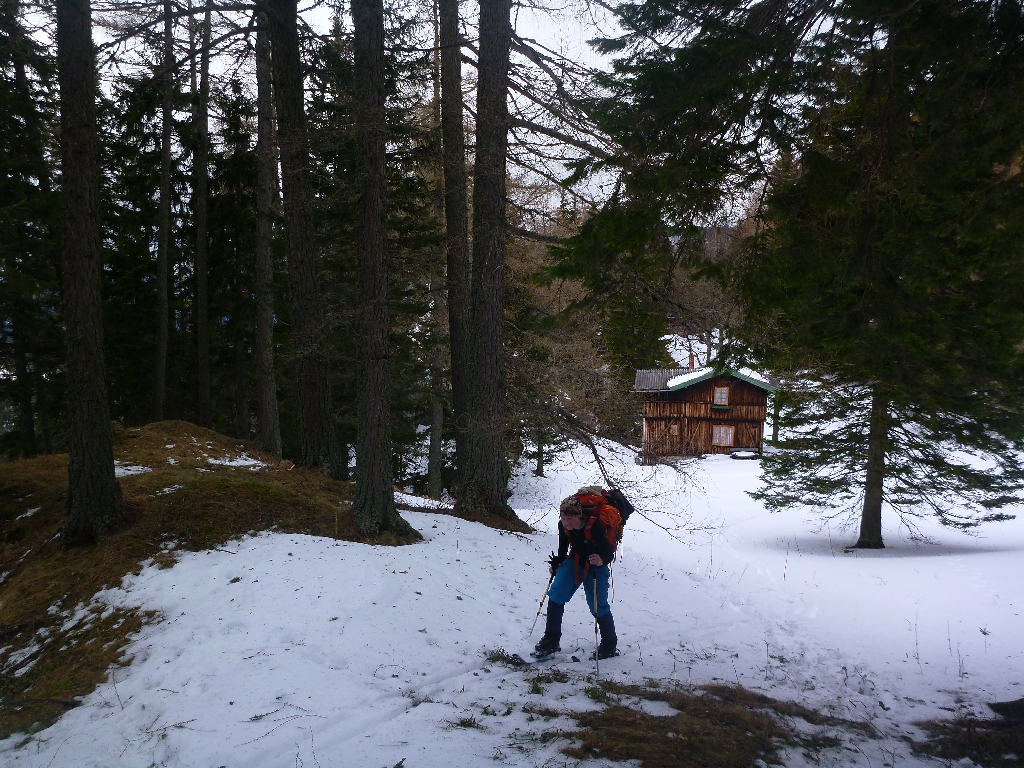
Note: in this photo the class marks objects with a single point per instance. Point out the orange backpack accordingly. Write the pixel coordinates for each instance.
(597, 507)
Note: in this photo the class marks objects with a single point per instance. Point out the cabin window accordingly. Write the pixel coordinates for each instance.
(721, 395)
(674, 429)
(723, 435)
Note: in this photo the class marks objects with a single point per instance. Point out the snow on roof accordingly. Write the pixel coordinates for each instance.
(701, 374)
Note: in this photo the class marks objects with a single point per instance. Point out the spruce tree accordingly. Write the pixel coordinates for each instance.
(94, 504)
(29, 211)
(889, 266)
(878, 153)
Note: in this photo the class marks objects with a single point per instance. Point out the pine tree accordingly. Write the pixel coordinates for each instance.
(94, 503)
(319, 447)
(29, 210)
(889, 267)
(483, 474)
(878, 153)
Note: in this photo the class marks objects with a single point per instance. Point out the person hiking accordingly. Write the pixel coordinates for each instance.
(584, 555)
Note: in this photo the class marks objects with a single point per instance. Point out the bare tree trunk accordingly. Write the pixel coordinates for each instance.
(44, 430)
(269, 437)
(435, 483)
(435, 462)
(318, 447)
(23, 379)
(164, 234)
(22, 372)
(483, 474)
(878, 435)
(93, 501)
(456, 216)
(241, 385)
(200, 174)
(539, 470)
(775, 418)
(374, 505)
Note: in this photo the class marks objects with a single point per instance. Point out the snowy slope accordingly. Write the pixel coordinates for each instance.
(296, 650)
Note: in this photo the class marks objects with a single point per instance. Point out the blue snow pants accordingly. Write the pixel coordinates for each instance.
(564, 585)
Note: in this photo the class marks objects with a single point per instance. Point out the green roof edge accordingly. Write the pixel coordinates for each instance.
(729, 371)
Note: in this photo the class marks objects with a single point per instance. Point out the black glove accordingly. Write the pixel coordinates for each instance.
(554, 561)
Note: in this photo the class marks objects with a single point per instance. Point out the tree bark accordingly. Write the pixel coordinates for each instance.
(374, 505)
(23, 386)
(775, 418)
(22, 370)
(164, 233)
(201, 179)
(483, 474)
(20, 323)
(456, 217)
(241, 384)
(318, 447)
(435, 483)
(878, 435)
(269, 436)
(93, 501)
(20, 334)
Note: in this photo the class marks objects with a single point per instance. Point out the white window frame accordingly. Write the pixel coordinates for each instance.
(722, 432)
(726, 398)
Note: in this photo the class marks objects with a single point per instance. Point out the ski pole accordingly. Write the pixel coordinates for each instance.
(541, 606)
(597, 647)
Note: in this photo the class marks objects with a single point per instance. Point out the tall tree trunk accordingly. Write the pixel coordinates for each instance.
(878, 435)
(44, 429)
(22, 367)
(164, 234)
(435, 483)
(775, 418)
(241, 384)
(483, 473)
(93, 501)
(374, 505)
(20, 335)
(318, 448)
(200, 174)
(269, 436)
(539, 470)
(456, 217)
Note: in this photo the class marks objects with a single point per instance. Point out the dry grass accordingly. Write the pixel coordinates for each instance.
(209, 505)
(719, 726)
(988, 743)
(704, 731)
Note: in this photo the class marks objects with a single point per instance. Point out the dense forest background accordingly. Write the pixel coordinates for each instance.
(404, 244)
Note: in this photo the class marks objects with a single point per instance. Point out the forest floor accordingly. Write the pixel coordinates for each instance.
(239, 621)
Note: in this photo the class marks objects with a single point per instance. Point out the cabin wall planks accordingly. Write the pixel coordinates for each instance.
(682, 423)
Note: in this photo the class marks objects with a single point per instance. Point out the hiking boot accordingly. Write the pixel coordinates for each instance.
(604, 654)
(609, 641)
(552, 631)
(546, 647)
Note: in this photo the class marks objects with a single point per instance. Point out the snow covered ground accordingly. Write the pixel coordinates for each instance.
(294, 650)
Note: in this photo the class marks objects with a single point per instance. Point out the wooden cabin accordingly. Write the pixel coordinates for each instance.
(689, 412)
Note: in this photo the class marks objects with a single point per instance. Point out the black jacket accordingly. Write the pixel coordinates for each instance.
(598, 544)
